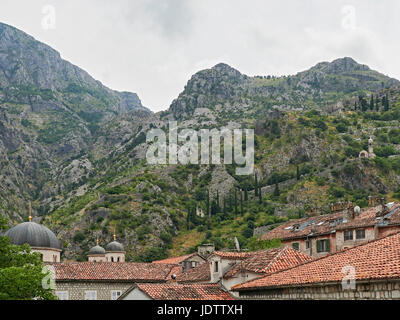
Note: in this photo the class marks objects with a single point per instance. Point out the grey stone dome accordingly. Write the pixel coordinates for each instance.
(115, 246)
(34, 234)
(97, 250)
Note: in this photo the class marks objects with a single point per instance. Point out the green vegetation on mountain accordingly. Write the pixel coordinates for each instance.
(77, 150)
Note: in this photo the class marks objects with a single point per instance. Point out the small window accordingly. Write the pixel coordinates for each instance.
(62, 295)
(323, 245)
(112, 259)
(295, 245)
(194, 264)
(360, 234)
(118, 259)
(348, 235)
(91, 295)
(308, 244)
(216, 266)
(115, 294)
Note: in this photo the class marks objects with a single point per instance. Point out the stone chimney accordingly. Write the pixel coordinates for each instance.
(206, 249)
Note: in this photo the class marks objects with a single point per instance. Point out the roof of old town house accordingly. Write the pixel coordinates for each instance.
(200, 273)
(325, 224)
(174, 291)
(268, 261)
(375, 260)
(234, 255)
(177, 260)
(113, 271)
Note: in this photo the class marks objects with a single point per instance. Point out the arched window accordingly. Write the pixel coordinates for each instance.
(118, 259)
(112, 259)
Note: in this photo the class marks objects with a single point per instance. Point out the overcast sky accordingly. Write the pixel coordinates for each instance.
(153, 47)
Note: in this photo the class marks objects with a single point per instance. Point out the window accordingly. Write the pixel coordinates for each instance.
(90, 295)
(323, 245)
(194, 264)
(112, 259)
(115, 294)
(216, 266)
(360, 234)
(308, 244)
(348, 235)
(295, 245)
(62, 295)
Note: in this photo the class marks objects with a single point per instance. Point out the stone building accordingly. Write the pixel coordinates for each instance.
(106, 280)
(370, 153)
(320, 235)
(187, 262)
(232, 268)
(367, 271)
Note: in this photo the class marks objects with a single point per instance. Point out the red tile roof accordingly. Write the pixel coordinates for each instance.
(268, 261)
(175, 291)
(325, 224)
(113, 271)
(379, 259)
(176, 260)
(200, 273)
(232, 255)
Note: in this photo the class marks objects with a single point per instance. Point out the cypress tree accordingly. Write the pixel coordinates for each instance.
(276, 191)
(255, 186)
(259, 196)
(241, 201)
(208, 204)
(236, 204)
(297, 173)
(371, 103)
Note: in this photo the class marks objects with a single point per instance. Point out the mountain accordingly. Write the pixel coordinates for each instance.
(76, 149)
(319, 87)
(50, 111)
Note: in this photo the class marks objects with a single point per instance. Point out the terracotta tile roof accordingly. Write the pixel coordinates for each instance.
(200, 273)
(232, 255)
(113, 271)
(176, 260)
(268, 261)
(175, 291)
(325, 224)
(379, 259)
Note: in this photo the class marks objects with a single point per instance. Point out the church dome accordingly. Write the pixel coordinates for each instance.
(97, 250)
(115, 246)
(36, 235)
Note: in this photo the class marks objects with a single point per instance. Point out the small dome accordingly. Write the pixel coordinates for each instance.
(115, 246)
(97, 250)
(36, 235)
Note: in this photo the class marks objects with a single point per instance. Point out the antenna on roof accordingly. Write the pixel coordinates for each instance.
(237, 245)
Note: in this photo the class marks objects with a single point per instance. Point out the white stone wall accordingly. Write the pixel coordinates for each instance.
(48, 255)
(76, 289)
(115, 256)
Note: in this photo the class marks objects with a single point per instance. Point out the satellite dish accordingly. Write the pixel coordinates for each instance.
(237, 245)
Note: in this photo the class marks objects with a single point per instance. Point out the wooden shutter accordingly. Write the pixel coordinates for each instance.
(328, 249)
(318, 245)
